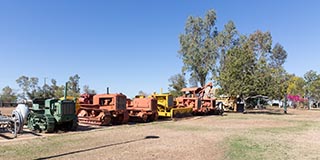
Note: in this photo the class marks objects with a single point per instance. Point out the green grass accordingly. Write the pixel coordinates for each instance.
(245, 148)
(295, 127)
(32, 148)
(267, 143)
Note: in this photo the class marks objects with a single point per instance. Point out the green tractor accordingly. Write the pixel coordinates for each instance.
(53, 114)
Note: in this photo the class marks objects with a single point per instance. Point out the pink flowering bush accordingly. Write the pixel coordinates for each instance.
(297, 99)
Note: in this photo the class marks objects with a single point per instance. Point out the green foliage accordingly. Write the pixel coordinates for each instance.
(193, 82)
(278, 57)
(73, 86)
(296, 86)
(29, 86)
(244, 148)
(237, 71)
(227, 39)
(177, 82)
(8, 95)
(259, 43)
(248, 65)
(86, 89)
(56, 90)
(31, 89)
(312, 84)
(278, 84)
(142, 93)
(198, 47)
(251, 67)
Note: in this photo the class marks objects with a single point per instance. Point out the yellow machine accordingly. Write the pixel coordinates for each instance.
(229, 103)
(167, 107)
(140, 96)
(73, 99)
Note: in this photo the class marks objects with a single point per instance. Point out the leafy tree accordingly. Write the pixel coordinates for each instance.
(278, 57)
(31, 89)
(177, 82)
(296, 86)
(193, 82)
(279, 82)
(23, 83)
(312, 86)
(29, 86)
(57, 91)
(198, 47)
(51, 91)
(236, 77)
(251, 67)
(45, 92)
(8, 95)
(86, 89)
(247, 65)
(260, 43)
(227, 39)
(73, 86)
(142, 93)
(311, 76)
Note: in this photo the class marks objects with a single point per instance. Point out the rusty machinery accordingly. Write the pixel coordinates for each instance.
(142, 109)
(52, 114)
(168, 108)
(229, 103)
(200, 99)
(15, 122)
(103, 109)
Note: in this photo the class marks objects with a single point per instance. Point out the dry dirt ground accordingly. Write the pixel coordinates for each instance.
(259, 134)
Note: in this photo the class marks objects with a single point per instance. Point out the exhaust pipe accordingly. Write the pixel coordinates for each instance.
(65, 91)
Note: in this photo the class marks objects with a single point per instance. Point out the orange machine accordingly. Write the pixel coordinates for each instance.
(103, 109)
(142, 109)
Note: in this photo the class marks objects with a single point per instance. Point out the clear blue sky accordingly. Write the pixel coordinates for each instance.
(132, 45)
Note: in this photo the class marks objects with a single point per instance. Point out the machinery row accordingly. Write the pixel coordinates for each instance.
(50, 115)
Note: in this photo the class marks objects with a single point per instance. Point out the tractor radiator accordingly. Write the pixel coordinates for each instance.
(67, 108)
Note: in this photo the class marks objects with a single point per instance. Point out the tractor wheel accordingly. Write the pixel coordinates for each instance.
(154, 117)
(106, 120)
(144, 118)
(125, 119)
(50, 124)
(30, 122)
(117, 120)
(73, 126)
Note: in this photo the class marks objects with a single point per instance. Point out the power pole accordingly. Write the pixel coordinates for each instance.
(44, 85)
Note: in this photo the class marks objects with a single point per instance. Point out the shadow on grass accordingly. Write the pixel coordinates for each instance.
(87, 127)
(32, 133)
(98, 147)
(6, 137)
(267, 112)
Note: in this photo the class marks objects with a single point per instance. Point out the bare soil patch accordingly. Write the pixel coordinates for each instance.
(6, 110)
(264, 134)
